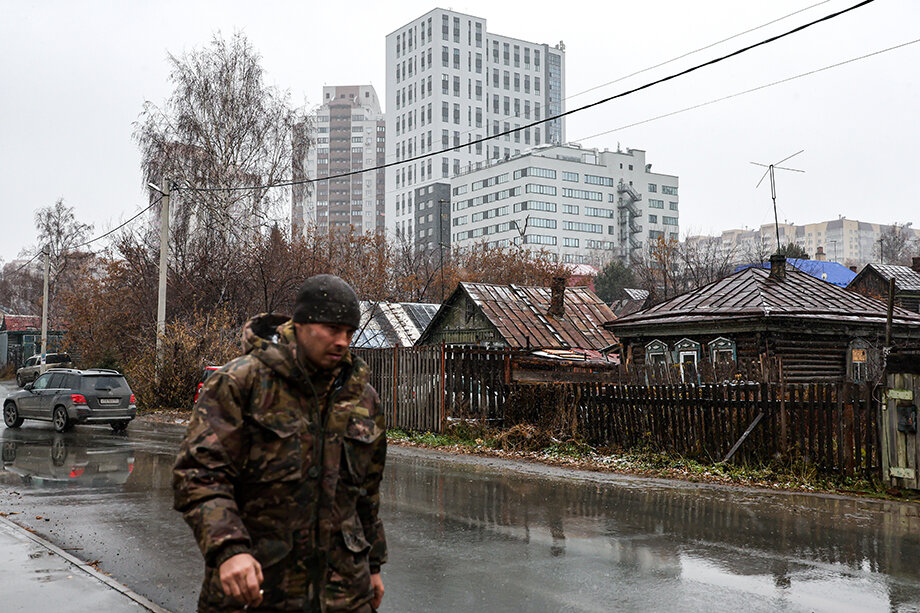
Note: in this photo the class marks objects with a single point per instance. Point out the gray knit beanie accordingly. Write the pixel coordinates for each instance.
(327, 299)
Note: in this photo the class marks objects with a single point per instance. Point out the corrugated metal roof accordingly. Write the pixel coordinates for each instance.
(20, 323)
(752, 293)
(905, 277)
(636, 294)
(519, 315)
(391, 324)
(832, 272)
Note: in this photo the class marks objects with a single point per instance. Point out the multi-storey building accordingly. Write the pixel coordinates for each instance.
(347, 133)
(846, 241)
(450, 82)
(585, 205)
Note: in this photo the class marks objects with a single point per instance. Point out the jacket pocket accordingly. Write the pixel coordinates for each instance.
(353, 535)
(360, 436)
(275, 448)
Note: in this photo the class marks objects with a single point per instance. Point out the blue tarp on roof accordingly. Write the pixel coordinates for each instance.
(832, 272)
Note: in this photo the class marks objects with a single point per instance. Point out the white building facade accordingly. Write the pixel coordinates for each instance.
(846, 241)
(450, 82)
(584, 205)
(347, 133)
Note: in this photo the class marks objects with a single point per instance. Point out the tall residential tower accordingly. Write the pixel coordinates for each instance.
(347, 134)
(451, 82)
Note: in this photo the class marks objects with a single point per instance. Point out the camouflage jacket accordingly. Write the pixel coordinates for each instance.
(282, 460)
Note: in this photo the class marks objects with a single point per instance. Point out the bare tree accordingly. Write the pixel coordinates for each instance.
(897, 244)
(221, 129)
(705, 261)
(224, 139)
(60, 231)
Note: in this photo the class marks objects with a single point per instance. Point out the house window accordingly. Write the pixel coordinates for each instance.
(656, 352)
(688, 355)
(722, 350)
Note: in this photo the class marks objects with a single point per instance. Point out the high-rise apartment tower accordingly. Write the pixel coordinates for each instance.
(451, 82)
(347, 134)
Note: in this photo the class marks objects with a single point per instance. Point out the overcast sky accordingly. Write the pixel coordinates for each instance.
(75, 74)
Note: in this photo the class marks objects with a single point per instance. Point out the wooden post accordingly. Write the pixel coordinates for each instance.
(890, 314)
(395, 383)
(443, 390)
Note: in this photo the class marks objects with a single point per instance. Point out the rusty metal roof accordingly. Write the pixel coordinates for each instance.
(752, 293)
(906, 279)
(519, 315)
(21, 323)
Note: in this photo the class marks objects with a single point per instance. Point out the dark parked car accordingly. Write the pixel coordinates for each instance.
(66, 397)
(32, 368)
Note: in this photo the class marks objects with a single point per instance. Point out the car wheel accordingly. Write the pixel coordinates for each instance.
(58, 451)
(119, 426)
(11, 416)
(60, 419)
(9, 452)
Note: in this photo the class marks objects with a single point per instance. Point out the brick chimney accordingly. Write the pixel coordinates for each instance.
(915, 264)
(778, 267)
(557, 297)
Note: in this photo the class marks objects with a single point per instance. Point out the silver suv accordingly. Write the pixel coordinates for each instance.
(66, 397)
(32, 368)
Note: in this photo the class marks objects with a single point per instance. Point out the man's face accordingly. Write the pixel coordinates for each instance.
(323, 344)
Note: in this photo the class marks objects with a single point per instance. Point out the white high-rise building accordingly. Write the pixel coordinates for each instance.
(347, 134)
(451, 82)
(584, 205)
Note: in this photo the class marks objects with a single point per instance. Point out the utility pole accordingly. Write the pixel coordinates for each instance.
(164, 265)
(47, 252)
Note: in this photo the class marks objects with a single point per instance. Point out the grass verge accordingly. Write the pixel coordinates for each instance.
(525, 443)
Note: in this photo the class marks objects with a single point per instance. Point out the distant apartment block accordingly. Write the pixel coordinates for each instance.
(846, 241)
(347, 133)
(584, 205)
(451, 82)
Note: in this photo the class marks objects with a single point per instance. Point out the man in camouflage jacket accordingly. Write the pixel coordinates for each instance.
(279, 472)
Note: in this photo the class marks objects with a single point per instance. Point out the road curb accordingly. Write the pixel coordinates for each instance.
(118, 587)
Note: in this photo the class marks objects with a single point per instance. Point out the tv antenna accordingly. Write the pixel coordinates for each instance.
(769, 171)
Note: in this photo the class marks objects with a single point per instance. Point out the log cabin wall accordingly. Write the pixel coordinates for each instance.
(811, 358)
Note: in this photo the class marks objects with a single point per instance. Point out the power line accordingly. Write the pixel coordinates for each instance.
(585, 107)
(101, 236)
(664, 63)
(689, 53)
(119, 227)
(748, 91)
(32, 259)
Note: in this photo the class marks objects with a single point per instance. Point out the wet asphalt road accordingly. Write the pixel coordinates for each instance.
(474, 534)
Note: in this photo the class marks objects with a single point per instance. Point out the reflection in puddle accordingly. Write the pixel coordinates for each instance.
(590, 546)
(44, 458)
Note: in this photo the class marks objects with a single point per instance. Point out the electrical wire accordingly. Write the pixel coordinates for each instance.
(689, 53)
(119, 227)
(100, 237)
(666, 62)
(748, 91)
(32, 259)
(582, 108)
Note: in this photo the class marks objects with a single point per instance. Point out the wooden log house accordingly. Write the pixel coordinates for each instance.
(820, 332)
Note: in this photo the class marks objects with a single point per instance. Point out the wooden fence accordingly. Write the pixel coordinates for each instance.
(832, 426)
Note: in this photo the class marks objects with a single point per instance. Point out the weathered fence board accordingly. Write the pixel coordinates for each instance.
(829, 425)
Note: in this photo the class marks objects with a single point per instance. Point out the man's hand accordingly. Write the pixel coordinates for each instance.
(377, 582)
(241, 576)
